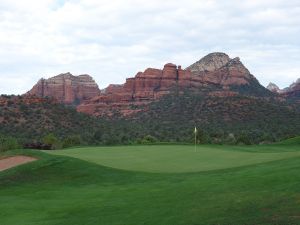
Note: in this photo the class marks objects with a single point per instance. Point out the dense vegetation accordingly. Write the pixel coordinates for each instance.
(45, 121)
(232, 120)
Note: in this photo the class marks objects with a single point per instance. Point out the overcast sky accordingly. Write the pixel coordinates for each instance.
(114, 39)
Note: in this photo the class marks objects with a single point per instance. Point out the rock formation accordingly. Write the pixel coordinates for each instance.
(216, 72)
(291, 92)
(211, 62)
(144, 88)
(273, 87)
(232, 73)
(293, 87)
(215, 69)
(66, 88)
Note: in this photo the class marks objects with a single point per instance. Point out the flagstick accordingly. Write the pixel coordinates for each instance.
(195, 139)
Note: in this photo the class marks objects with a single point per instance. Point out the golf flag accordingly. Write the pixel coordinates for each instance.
(195, 132)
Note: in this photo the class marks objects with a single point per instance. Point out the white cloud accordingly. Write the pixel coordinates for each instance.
(112, 40)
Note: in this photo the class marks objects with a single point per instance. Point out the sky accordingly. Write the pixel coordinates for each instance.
(114, 39)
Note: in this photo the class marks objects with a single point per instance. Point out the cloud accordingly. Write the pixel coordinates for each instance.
(112, 40)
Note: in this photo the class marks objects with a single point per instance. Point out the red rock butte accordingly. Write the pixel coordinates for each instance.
(66, 88)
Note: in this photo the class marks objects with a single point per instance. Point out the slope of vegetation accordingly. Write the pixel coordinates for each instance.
(231, 120)
(237, 119)
(30, 119)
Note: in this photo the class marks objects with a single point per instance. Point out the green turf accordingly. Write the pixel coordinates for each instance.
(61, 190)
(175, 158)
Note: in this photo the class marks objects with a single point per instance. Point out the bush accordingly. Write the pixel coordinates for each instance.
(148, 139)
(243, 138)
(8, 143)
(71, 141)
(52, 140)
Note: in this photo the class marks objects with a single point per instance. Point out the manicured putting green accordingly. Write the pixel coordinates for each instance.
(173, 158)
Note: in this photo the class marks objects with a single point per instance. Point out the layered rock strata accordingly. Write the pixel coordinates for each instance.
(216, 69)
(66, 88)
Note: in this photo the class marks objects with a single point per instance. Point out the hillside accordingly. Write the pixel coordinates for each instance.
(30, 118)
(227, 119)
(219, 119)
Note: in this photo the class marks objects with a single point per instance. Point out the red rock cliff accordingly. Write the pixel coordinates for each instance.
(142, 89)
(145, 87)
(66, 88)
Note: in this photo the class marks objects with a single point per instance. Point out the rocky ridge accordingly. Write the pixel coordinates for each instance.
(217, 73)
(66, 88)
(214, 70)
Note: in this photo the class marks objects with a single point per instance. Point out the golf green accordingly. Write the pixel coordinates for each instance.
(235, 185)
(175, 158)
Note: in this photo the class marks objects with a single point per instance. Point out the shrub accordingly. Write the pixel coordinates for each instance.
(8, 143)
(148, 139)
(52, 140)
(71, 141)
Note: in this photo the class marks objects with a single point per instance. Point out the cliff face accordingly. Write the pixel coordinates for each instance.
(142, 89)
(66, 88)
(215, 69)
(232, 73)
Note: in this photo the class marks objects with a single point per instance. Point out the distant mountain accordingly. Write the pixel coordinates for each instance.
(291, 93)
(215, 74)
(66, 88)
(294, 91)
(273, 87)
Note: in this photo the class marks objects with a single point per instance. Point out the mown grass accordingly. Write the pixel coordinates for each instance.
(66, 190)
(179, 158)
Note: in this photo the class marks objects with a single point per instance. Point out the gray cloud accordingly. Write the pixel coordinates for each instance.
(112, 40)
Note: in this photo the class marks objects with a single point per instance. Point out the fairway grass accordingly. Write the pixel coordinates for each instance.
(63, 190)
(174, 158)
